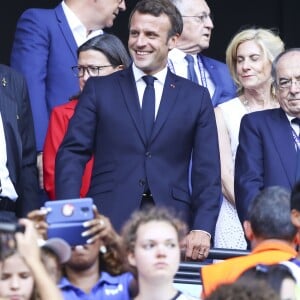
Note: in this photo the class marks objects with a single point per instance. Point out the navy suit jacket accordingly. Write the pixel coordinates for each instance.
(266, 156)
(19, 137)
(108, 122)
(44, 50)
(225, 88)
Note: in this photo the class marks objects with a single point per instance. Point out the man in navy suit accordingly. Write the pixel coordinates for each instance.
(45, 49)
(18, 172)
(132, 170)
(269, 146)
(197, 28)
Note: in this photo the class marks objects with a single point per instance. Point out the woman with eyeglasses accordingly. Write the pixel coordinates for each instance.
(99, 56)
(249, 57)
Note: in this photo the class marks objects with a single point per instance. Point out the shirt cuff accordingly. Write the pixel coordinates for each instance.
(209, 235)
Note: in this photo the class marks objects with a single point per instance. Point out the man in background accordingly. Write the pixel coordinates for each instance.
(269, 145)
(271, 233)
(44, 50)
(187, 60)
(18, 172)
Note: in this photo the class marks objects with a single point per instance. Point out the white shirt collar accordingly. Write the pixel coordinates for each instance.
(78, 29)
(177, 55)
(138, 74)
(290, 118)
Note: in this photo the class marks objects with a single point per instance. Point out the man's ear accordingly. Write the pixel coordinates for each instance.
(295, 218)
(131, 259)
(248, 230)
(172, 41)
(120, 67)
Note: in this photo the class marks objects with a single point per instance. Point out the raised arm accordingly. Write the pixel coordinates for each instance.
(29, 250)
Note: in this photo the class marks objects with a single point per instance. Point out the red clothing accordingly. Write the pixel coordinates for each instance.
(58, 124)
(268, 252)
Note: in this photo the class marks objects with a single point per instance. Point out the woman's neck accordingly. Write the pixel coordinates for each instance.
(255, 100)
(156, 291)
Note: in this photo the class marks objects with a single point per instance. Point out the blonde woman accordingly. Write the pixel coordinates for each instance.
(249, 57)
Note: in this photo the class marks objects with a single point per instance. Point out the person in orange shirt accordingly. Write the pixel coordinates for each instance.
(270, 232)
(99, 56)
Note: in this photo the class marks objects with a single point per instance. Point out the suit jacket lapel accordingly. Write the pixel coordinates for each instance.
(170, 92)
(131, 99)
(66, 31)
(281, 133)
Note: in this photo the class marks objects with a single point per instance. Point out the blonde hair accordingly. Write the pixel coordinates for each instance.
(269, 42)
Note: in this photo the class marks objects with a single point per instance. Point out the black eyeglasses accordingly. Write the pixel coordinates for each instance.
(79, 71)
(201, 18)
(286, 83)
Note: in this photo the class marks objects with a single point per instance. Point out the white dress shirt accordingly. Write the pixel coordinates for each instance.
(78, 29)
(178, 65)
(7, 186)
(158, 85)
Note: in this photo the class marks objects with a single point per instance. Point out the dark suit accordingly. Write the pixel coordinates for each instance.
(19, 136)
(44, 50)
(108, 122)
(266, 156)
(225, 88)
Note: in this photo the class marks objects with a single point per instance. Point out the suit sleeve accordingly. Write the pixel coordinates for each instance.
(55, 134)
(28, 190)
(248, 166)
(77, 146)
(206, 178)
(30, 56)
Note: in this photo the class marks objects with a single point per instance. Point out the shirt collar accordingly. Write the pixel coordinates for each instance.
(105, 277)
(76, 25)
(178, 55)
(290, 118)
(275, 245)
(74, 22)
(160, 76)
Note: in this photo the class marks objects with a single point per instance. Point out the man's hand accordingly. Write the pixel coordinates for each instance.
(197, 245)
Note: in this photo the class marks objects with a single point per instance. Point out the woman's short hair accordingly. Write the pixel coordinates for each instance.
(269, 42)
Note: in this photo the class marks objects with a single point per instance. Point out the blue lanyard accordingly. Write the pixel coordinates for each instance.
(202, 71)
(296, 140)
(200, 67)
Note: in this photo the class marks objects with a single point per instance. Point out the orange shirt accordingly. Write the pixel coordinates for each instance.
(268, 252)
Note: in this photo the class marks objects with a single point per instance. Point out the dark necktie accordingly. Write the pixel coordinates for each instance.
(297, 121)
(148, 105)
(190, 69)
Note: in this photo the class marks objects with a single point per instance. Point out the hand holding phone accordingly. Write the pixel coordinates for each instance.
(65, 219)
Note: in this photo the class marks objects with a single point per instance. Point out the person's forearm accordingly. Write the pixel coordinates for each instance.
(228, 188)
(46, 287)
